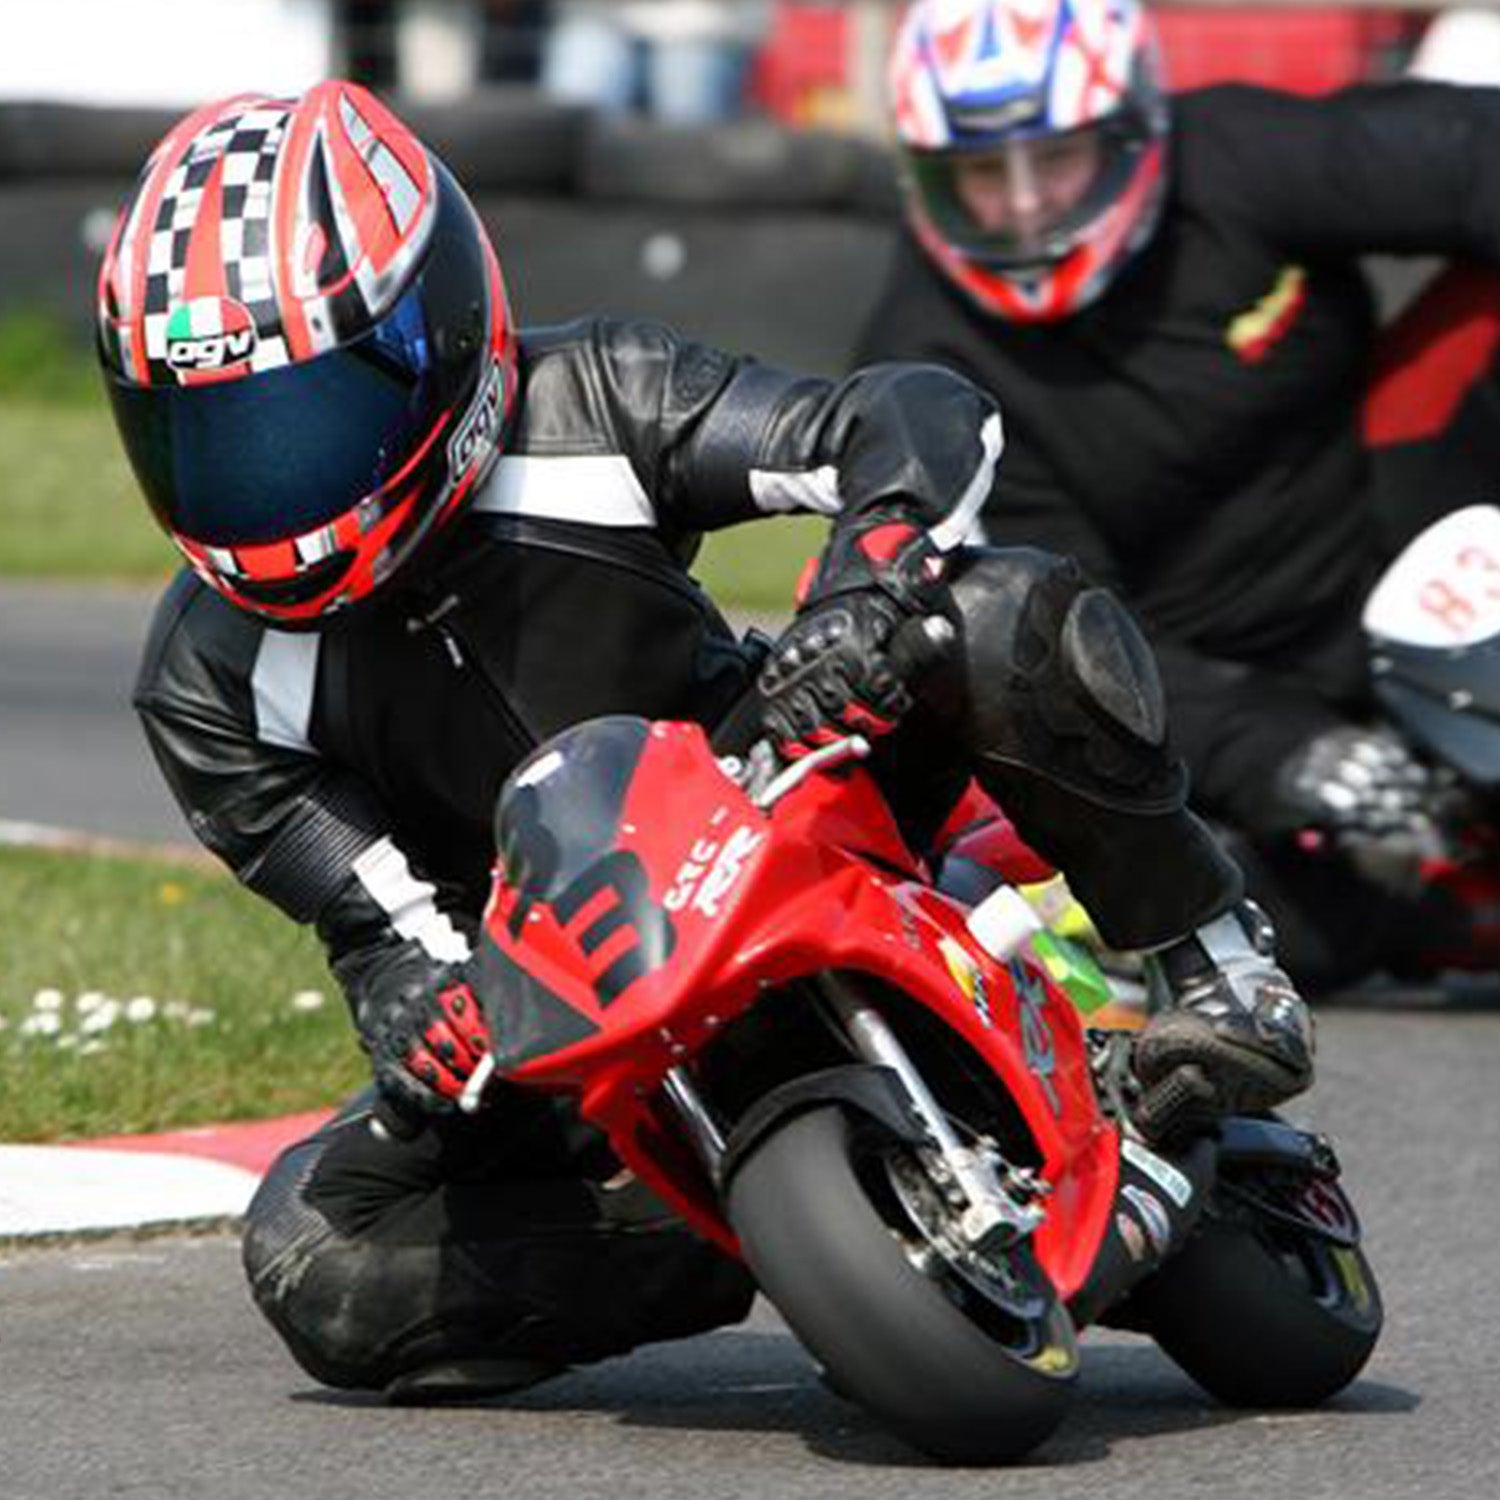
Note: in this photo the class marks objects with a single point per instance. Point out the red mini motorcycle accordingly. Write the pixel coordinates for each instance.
(885, 1099)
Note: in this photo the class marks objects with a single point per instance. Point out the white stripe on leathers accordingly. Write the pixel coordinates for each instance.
(410, 903)
(283, 680)
(962, 524)
(817, 490)
(592, 489)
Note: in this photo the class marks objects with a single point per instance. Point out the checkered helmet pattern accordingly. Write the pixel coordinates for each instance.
(297, 220)
(967, 75)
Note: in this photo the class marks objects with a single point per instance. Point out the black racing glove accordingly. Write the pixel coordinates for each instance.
(832, 673)
(423, 1029)
(1365, 792)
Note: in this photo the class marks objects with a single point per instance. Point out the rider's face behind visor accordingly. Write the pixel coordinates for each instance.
(1028, 199)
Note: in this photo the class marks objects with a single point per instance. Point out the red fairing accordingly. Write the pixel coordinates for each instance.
(1432, 358)
(753, 902)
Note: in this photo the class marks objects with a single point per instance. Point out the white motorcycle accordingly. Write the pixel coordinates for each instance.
(1433, 627)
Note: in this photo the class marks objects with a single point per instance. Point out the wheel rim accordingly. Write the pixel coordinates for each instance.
(1325, 1262)
(1004, 1293)
(1334, 1276)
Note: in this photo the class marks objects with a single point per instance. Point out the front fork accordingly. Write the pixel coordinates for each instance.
(994, 1207)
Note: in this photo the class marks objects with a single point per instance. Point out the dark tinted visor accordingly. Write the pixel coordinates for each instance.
(274, 455)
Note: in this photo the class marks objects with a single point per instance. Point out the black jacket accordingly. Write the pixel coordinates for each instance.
(1193, 438)
(350, 774)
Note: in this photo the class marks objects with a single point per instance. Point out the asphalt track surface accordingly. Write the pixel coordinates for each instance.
(137, 1367)
(71, 753)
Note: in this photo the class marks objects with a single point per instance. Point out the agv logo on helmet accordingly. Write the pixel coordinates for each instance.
(211, 333)
(480, 429)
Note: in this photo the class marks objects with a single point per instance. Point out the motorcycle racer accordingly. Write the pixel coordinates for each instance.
(419, 542)
(1168, 299)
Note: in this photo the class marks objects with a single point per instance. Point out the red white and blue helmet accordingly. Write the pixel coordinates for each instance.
(307, 345)
(980, 78)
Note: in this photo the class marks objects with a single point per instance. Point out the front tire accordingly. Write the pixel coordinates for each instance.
(963, 1376)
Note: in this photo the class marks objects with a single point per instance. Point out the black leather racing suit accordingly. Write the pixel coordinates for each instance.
(349, 776)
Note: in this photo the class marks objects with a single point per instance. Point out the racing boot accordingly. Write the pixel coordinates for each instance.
(1230, 1035)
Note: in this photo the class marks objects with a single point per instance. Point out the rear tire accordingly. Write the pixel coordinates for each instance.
(961, 1375)
(1264, 1315)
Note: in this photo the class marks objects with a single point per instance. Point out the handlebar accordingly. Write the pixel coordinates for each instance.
(768, 779)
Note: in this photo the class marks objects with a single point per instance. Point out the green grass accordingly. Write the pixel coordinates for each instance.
(69, 507)
(756, 566)
(225, 1041)
(40, 361)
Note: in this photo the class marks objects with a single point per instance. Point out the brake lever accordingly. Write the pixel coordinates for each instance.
(849, 747)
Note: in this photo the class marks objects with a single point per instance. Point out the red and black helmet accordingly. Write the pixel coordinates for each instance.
(308, 347)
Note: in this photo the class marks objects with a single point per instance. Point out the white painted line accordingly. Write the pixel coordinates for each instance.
(41, 835)
(67, 1189)
(75, 841)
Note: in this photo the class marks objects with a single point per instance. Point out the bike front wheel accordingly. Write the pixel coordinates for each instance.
(971, 1363)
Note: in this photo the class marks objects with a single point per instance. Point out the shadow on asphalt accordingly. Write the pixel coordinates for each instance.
(749, 1382)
